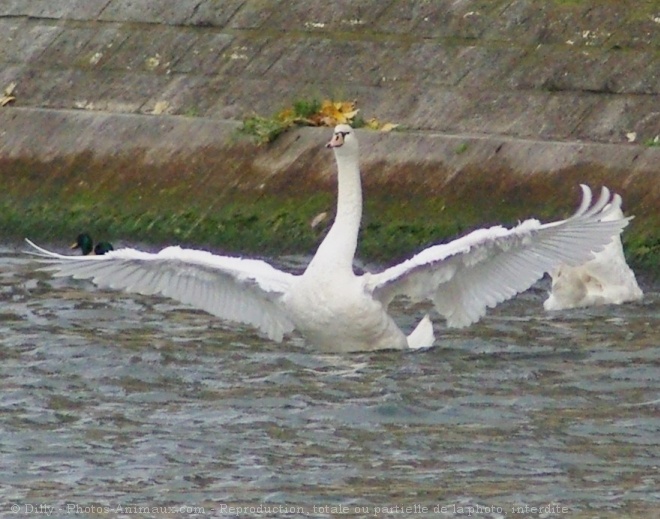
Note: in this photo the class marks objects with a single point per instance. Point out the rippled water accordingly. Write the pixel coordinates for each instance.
(125, 406)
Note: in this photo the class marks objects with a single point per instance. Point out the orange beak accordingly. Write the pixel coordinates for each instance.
(336, 141)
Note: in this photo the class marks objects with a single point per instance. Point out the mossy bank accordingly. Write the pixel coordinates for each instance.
(164, 180)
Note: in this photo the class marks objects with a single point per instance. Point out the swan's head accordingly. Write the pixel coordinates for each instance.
(343, 140)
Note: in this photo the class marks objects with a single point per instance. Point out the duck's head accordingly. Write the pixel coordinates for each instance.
(344, 141)
(84, 243)
(103, 247)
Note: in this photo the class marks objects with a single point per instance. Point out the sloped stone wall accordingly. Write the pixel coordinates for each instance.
(562, 70)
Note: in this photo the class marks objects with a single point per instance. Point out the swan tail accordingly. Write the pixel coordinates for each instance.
(422, 336)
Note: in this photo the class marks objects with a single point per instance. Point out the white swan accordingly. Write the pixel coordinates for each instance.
(328, 304)
(606, 279)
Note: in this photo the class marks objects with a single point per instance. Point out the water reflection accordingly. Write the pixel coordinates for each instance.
(112, 400)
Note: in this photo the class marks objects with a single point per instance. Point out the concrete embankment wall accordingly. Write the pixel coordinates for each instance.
(125, 114)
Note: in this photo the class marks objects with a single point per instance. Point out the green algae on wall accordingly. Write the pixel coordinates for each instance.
(265, 226)
(261, 225)
(395, 224)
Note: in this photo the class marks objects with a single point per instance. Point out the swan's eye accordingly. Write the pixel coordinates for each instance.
(343, 134)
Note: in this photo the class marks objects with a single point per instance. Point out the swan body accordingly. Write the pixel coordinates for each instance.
(337, 310)
(604, 279)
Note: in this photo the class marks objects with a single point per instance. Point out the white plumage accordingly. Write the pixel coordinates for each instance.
(604, 280)
(336, 310)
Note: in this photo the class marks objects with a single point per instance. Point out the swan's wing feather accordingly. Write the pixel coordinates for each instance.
(237, 289)
(478, 271)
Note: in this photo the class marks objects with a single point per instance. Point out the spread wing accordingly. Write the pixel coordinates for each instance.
(465, 277)
(237, 289)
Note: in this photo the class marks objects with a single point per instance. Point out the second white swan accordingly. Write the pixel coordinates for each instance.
(606, 279)
(336, 310)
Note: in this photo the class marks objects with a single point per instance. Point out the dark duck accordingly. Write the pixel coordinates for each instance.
(85, 243)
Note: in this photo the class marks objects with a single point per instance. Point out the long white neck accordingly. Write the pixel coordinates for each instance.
(338, 248)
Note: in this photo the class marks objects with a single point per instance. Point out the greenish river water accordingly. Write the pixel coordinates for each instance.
(115, 405)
